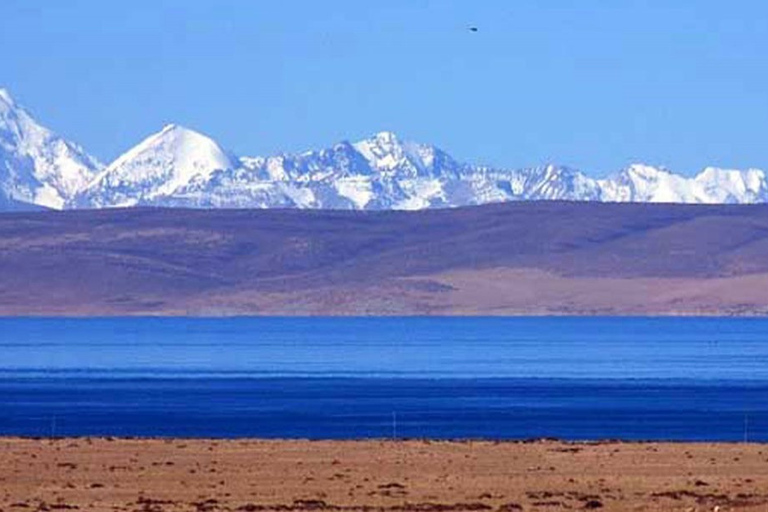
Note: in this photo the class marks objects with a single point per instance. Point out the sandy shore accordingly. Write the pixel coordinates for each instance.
(402, 476)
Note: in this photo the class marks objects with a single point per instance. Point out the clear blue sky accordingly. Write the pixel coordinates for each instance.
(592, 84)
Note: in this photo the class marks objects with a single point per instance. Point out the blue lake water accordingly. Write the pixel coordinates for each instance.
(572, 378)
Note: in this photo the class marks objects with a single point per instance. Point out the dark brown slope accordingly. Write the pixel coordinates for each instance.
(513, 258)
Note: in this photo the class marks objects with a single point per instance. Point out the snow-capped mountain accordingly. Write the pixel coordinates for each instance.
(36, 165)
(378, 173)
(645, 184)
(382, 172)
(155, 169)
(180, 167)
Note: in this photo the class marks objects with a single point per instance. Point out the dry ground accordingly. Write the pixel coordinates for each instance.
(397, 476)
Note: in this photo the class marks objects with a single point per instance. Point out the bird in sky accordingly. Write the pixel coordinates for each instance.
(473, 29)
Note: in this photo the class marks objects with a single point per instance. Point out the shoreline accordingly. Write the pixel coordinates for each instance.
(182, 474)
(367, 440)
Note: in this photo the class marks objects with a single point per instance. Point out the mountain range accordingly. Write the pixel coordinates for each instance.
(179, 167)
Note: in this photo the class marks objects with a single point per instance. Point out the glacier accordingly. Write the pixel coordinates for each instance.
(180, 167)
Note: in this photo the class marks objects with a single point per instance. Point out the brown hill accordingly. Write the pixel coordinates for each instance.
(514, 258)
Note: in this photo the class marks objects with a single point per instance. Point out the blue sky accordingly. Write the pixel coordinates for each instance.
(591, 84)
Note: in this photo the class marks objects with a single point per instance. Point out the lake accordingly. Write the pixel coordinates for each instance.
(510, 378)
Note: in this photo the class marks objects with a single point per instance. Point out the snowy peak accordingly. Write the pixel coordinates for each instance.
(36, 165)
(181, 167)
(187, 151)
(733, 186)
(646, 184)
(157, 167)
(387, 154)
(382, 143)
(383, 151)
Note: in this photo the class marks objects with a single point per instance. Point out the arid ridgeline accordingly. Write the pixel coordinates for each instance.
(514, 258)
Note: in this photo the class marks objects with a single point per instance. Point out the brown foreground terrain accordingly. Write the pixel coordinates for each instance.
(378, 476)
(505, 259)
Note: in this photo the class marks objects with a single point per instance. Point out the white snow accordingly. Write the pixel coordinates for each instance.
(357, 189)
(36, 165)
(157, 167)
(181, 167)
(733, 186)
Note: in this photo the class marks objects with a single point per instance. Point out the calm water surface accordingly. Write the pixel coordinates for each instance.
(574, 378)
